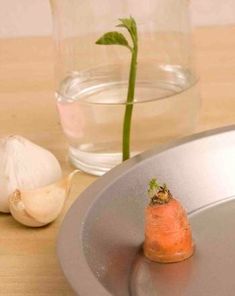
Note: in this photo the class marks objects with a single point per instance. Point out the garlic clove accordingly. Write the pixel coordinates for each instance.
(46, 203)
(18, 211)
(40, 206)
(24, 166)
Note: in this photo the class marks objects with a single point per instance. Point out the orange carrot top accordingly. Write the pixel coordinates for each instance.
(168, 235)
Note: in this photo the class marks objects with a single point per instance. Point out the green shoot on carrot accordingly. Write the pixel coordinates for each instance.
(158, 194)
(117, 38)
(153, 188)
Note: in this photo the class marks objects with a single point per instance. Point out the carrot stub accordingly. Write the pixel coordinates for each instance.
(168, 236)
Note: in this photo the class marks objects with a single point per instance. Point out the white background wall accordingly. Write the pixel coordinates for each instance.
(32, 17)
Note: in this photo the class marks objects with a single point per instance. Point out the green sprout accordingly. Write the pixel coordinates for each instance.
(158, 194)
(117, 38)
(153, 188)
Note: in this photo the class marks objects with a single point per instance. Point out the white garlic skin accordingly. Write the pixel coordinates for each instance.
(24, 166)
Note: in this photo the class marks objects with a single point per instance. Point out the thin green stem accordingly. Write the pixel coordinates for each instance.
(116, 38)
(129, 104)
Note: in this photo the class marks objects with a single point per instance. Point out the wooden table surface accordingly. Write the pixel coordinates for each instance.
(27, 107)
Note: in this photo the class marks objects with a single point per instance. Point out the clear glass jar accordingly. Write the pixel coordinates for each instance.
(92, 80)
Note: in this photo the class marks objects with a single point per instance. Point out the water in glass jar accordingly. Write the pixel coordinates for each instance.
(92, 106)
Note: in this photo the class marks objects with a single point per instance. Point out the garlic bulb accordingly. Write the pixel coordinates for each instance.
(40, 206)
(24, 166)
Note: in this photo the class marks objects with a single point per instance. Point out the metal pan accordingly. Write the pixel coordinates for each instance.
(99, 244)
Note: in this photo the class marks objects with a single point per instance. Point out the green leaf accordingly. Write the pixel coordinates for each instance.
(153, 188)
(130, 25)
(153, 184)
(113, 38)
